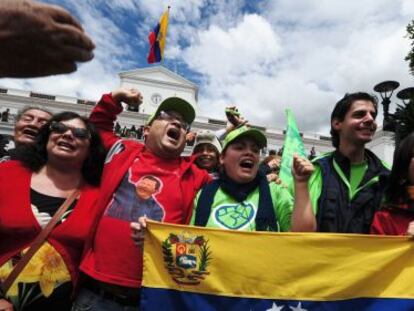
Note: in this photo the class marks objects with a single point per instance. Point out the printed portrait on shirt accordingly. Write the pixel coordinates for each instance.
(136, 197)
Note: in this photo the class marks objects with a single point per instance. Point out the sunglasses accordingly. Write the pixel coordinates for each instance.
(77, 132)
(170, 118)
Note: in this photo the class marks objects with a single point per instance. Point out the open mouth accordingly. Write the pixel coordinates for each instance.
(173, 133)
(30, 133)
(247, 164)
(65, 146)
(204, 158)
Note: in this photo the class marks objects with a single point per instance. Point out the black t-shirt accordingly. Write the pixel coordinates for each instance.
(49, 204)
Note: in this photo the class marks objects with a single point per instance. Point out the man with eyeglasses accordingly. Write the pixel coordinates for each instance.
(113, 263)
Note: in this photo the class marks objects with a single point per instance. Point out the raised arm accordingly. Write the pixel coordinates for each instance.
(303, 218)
(104, 114)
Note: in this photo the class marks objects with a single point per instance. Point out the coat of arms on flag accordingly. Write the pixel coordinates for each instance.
(186, 258)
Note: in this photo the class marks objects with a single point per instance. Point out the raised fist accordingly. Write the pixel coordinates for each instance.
(39, 39)
(302, 169)
(132, 97)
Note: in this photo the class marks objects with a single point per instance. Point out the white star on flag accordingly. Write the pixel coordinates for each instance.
(298, 308)
(275, 308)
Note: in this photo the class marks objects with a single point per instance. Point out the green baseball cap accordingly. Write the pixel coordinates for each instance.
(184, 108)
(245, 131)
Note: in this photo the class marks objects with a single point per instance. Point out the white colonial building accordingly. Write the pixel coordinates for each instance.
(156, 84)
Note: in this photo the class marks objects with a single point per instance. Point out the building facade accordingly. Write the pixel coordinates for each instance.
(156, 84)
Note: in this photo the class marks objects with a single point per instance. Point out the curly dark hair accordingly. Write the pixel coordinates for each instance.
(343, 106)
(35, 156)
(399, 173)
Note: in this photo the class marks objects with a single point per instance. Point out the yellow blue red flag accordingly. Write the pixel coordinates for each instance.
(157, 39)
(190, 268)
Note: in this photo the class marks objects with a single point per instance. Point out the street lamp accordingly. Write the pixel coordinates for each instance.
(386, 89)
(406, 94)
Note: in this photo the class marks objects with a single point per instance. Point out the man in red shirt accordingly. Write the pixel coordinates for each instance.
(113, 263)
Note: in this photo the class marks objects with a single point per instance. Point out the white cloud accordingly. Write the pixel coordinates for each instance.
(302, 54)
(247, 48)
(319, 50)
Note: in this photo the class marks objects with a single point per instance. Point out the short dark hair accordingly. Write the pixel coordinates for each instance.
(343, 106)
(27, 108)
(35, 157)
(398, 179)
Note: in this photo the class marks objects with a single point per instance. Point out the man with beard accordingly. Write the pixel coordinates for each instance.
(113, 263)
(348, 184)
(28, 123)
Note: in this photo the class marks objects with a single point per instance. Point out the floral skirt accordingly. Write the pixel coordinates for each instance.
(44, 278)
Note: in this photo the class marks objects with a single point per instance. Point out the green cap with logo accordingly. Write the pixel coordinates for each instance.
(246, 131)
(184, 108)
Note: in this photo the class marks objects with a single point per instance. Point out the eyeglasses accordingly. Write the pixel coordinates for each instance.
(77, 132)
(171, 118)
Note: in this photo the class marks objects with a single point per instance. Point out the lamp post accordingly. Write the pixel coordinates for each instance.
(406, 94)
(386, 89)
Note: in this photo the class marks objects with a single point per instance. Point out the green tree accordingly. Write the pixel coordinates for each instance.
(404, 114)
(404, 117)
(410, 56)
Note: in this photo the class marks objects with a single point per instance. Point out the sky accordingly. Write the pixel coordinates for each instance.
(263, 56)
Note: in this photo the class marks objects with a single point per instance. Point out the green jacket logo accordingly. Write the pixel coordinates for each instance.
(234, 216)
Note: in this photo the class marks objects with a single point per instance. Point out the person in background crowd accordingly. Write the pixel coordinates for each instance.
(312, 154)
(242, 199)
(68, 155)
(133, 131)
(6, 143)
(190, 138)
(207, 151)
(29, 121)
(396, 216)
(5, 115)
(39, 39)
(137, 177)
(270, 167)
(348, 184)
(140, 131)
(117, 128)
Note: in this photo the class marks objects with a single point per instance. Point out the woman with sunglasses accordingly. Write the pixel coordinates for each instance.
(68, 156)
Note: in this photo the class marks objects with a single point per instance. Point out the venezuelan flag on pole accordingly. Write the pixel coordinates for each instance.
(157, 39)
(190, 268)
(293, 144)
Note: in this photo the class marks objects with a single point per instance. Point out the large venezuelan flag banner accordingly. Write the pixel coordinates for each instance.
(188, 268)
(157, 39)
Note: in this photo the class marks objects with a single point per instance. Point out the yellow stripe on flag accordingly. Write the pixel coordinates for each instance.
(311, 266)
(162, 35)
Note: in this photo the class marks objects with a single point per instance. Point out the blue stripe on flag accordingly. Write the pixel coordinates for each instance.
(167, 299)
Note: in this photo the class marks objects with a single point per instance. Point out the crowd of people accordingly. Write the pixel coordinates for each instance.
(75, 196)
